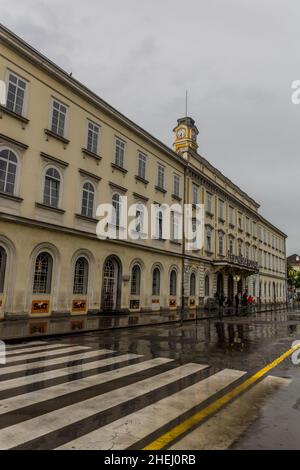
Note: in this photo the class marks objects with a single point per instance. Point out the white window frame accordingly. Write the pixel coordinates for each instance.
(81, 198)
(161, 170)
(122, 146)
(209, 202)
(18, 169)
(61, 103)
(46, 168)
(176, 185)
(26, 92)
(221, 209)
(95, 126)
(142, 157)
(195, 194)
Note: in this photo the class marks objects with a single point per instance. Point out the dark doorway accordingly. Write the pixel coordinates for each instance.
(230, 288)
(111, 285)
(220, 286)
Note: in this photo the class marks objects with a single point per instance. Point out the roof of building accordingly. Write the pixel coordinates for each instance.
(294, 260)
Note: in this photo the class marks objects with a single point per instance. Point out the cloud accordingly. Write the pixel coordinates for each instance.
(237, 59)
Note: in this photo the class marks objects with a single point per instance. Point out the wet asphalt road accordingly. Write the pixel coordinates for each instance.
(265, 417)
(245, 343)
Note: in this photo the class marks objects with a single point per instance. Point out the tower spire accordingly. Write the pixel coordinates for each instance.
(186, 103)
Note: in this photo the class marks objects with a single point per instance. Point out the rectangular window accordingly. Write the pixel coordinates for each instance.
(221, 209)
(247, 225)
(209, 206)
(254, 229)
(231, 215)
(139, 218)
(208, 240)
(142, 165)
(16, 90)
(240, 221)
(159, 225)
(160, 176)
(176, 185)
(119, 153)
(174, 226)
(195, 194)
(58, 120)
(92, 137)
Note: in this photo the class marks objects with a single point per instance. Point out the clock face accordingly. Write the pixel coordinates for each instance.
(181, 133)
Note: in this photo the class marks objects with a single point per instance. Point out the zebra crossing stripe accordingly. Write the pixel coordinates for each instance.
(26, 367)
(23, 345)
(31, 398)
(36, 349)
(125, 432)
(46, 353)
(17, 435)
(19, 382)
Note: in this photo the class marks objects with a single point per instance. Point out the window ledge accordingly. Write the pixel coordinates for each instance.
(209, 214)
(162, 190)
(175, 196)
(142, 180)
(91, 154)
(62, 139)
(11, 197)
(50, 208)
(11, 113)
(175, 242)
(119, 168)
(86, 217)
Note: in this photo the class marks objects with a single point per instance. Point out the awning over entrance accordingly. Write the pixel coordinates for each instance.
(237, 265)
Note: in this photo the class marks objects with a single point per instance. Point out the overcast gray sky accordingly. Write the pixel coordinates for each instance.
(236, 58)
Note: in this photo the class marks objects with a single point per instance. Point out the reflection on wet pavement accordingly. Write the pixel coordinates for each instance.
(122, 388)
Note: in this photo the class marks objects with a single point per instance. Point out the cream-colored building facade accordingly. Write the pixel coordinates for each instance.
(63, 151)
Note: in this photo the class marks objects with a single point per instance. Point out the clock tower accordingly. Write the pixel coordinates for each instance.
(185, 135)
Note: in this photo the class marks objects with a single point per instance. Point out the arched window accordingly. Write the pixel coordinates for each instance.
(231, 246)
(247, 250)
(206, 286)
(51, 187)
(2, 268)
(81, 274)
(173, 282)
(193, 285)
(156, 282)
(88, 195)
(42, 274)
(135, 280)
(116, 203)
(8, 171)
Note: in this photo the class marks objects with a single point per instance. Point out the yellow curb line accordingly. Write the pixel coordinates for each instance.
(164, 440)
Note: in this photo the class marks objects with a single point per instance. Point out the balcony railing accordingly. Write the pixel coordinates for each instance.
(242, 261)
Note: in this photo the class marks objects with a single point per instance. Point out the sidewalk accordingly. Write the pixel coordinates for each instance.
(47, 327)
